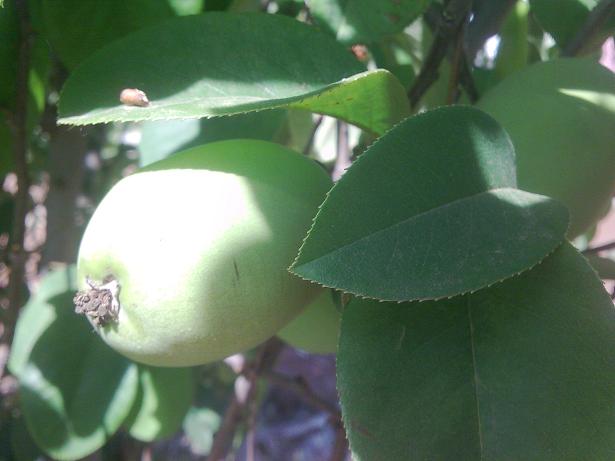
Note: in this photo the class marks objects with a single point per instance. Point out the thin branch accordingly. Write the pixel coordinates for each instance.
(596, 18)
(452, 18)
(599, 248)
(466, 79)
(453, 82)
(236, 411)
(310, 141)
(340, 449)
(16, 245)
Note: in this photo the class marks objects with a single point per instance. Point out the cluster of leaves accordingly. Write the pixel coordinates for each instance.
(476, 329)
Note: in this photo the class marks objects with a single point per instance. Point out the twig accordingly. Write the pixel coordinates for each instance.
(310, 141)
(453, 82)
(251, 430)
(18, 257)
(466, 79)
(301, 389)
(235, 412)
(453, 16)
(588, 30)
(599, 248)
(340, 449)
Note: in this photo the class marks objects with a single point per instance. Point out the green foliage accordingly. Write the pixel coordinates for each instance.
(521, 370)
(76, 28)
(559, 115)
(564, 18)
(200, 426)
(430, 211)
(605, 267)
(75, 392)
(306, 70)
(365, 21)
(165, 395)
(9, 43)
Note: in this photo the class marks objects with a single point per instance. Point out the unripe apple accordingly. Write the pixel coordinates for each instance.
(316, 329)
(560, 115)
(199, 244)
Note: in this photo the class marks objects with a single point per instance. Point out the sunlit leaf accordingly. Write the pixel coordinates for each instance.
(222, 64)
(430, 211)
(74, 390)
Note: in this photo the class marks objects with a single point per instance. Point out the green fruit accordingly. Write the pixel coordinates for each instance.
(316, 329)
(560, 115)
(200, 244)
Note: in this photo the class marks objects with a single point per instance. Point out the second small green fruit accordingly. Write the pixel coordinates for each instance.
(316, 329)
(560, 115)
(200, 243)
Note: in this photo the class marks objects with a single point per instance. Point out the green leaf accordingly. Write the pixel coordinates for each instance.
(74, 390)
(222, 64)
(186, 7)
(564, 18)
(200, 426)
(23, 446)
(75, 29)
(159, 139)
(365, 21)
(165, 397)
(429, 211)
(513, 50)
(521, 370)
(605, 267)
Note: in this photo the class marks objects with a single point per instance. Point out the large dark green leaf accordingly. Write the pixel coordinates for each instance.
(74, 390)
(430, 211)
(524, 370)
(222, 64)
(77, 28)
(165, 395)
(365, 21)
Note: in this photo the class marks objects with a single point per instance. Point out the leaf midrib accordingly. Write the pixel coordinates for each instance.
(387, 228)
(475, 377)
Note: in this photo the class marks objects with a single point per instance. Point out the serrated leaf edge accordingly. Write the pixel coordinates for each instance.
(293, 102)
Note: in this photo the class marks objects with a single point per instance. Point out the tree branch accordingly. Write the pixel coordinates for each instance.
(599, 248)
(236, 411)
(596, 18)
(451, 19)
(340, 449)
(20, 145)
